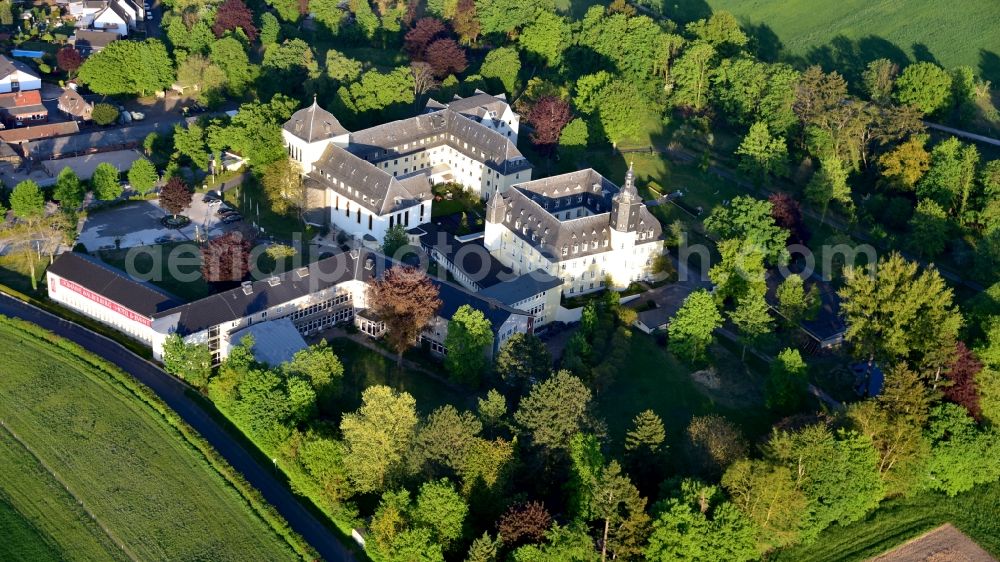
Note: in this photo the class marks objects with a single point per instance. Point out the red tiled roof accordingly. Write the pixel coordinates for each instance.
(21, 99)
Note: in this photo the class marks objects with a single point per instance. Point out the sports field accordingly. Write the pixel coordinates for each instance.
(91, 472)
(952, 33)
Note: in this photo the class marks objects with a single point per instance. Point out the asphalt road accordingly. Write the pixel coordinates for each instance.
(172, 391)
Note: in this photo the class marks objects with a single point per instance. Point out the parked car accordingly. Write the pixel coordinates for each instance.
(214, 202)
(210, 195)
(225, 211)
(149, 15)
(235, 217)
(164, 239)
(137, 115)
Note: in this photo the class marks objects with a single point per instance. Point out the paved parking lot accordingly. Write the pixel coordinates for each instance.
(137, 223)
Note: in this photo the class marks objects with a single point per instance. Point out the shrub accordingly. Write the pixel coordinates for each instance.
(104, 114)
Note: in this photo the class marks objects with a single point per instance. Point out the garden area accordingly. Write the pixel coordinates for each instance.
(152, 490)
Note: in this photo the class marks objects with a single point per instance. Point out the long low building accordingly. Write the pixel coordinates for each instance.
(324, 293)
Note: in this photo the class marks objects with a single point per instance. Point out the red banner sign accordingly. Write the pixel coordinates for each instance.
(106, 303)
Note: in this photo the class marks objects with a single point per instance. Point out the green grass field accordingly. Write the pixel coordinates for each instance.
(154, 491)
(848, 31)
(654, 379)
(897, 521)
(41, 520)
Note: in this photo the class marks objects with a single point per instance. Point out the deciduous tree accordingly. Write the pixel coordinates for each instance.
(69, 59)
(69, 190)
(762, 154)
(962, 385)
(283, 187)
(713, 443)
(879, 79)
(502, 64)
(829, 184)
(753, 318)
(523, 361)
(554, 410)
(128, 67)
(767, 494)
(904, 165)
(377, 436)
(691, 329)
(546, 38)
(104, 114)
(27, 201)
(104, 182)
(446, 57)
(749, 220)
(406, 300)
(524, 523)
(787, 381)
(929, 228)
(226, 258)
(142, 176)
(548, 116)
(795, 304)
(925, 86)
(175, 196)
(191, 362)
(232, 15)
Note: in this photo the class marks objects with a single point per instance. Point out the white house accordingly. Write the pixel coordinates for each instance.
(327, 292)
(368, 181)
(488, 110)
(15, 76)
(115, 17)
(579, 227)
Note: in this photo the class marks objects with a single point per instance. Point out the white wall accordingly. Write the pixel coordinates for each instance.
(111, 22)
(358, 221)
(104, 310)
(25, 82)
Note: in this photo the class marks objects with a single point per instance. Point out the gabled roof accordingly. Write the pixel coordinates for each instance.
(94, 39)
(477, 105)
(73, 103)
(535, 212)
(39, 132)
(372, 187)
(523, 287)
(112, 284)
(445, 127)
(23, 98)
(9, 66)
(314, 124)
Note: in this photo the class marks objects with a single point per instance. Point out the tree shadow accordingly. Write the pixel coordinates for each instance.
(764, 42)
(989, 66)
(682, 11)
(922, 53)
(850, 57)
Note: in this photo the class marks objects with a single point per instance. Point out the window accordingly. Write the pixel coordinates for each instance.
(370, 217)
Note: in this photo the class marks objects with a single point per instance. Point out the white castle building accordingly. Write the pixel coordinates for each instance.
(368, 181)
(578, 227)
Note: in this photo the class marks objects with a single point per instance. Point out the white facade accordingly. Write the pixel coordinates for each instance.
(307, 153)
(19, 81)
(108, 20)
(357, 221)
(74, 296)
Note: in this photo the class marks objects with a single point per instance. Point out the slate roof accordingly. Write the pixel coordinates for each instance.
(275, 341)
(9, 66)
(314, 124)
(469, 256)
(361, 265)
(118, 10)
(475, 106)
(529, 210)
(371, 187)
(113, 284)
(828, 326)
(93, 40)
(523, 287)
(237, 303)
(445, 127)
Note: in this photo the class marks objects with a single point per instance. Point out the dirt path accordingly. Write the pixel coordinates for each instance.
(944, 544)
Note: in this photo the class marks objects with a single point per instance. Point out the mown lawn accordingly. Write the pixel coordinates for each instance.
(364, 367)
(40, 519)
(654, 379)
(974, 513)
(134, 471)
(144, 263)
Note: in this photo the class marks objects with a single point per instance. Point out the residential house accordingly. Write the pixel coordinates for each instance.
(72, 104)
(90, 41)
(25, 135)
(115, 17)
(15, 76)
(22, 108)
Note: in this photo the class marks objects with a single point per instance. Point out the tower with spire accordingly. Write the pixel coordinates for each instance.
(625, 205)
